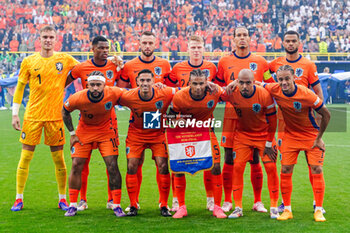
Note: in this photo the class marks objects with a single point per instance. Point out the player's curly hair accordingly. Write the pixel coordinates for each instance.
(286, 68)
(197, 73)
(96, 72)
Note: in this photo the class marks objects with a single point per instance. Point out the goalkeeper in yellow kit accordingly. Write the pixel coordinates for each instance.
(46, 72)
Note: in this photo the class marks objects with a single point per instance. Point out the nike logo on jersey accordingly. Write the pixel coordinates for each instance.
(136, 71)
(37, 69)
(183, 74)
(230, 67)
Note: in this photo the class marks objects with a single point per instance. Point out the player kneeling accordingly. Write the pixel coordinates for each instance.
(94, 131)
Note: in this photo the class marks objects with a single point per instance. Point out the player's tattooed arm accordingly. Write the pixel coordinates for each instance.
(326, 116)
(67, 119)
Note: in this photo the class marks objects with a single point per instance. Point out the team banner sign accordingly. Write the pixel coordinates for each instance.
(189, 150)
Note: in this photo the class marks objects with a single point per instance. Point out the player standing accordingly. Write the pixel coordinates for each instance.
(302, 133)
(46, 73)
(160, 69)
(95, 130)
(180, 76)
(99, 62)
(194, 100)
(256, 127)
(228, 70)
(305, 74)
(147, 100)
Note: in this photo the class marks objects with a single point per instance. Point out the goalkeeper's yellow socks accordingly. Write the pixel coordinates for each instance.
(23, 170)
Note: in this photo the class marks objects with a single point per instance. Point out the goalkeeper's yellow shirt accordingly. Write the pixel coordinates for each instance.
(47, 78)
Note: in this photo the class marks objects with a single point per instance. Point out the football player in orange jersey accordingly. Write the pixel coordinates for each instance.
(148, 105)
(256, 127)
(302, 133)
(147, 60)
(228, 69)
(195, 100)
(305, 74)
(46, 73)
(99, 62)
(94, 130)
(180, 76)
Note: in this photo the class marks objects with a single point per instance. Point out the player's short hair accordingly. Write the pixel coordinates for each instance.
(147, 33)
(48, 28)
(196, 38)
(99, 38)
(286, 68)
(145, 71)
(97, 73)
(247, 71)
(197, 73)
(291, 32)
(234, 31)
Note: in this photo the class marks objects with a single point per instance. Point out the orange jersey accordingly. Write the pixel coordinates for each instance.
(305, 70)
(180, 73)
(82, 70)
(297, 110)
(95, 117)
(160, 101)
(47, 78)
(252, 113)
(199, 109)
(230, 66)
(159, 66)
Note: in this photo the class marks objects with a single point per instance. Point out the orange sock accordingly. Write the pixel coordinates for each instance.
(173, 185)
(164, 189)
(318, 188)
(286, 188)
(131, 185)
(256, 177)
(110, 195)
(227, 171)
(217, 189)
(237, 183)
(180, 187)
(272, 183)
(208, 183)
(139, 181)
(84, 179)
(116, 196)
(73, 195)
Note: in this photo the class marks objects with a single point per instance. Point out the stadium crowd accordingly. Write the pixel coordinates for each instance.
(323, 25)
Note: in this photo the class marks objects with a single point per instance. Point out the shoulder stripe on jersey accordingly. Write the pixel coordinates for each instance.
(315, 83)
(312, 119)
(168, 77)
(317, 109)
(125, 80)
(220, 80)
(270, 114)
(270, 106)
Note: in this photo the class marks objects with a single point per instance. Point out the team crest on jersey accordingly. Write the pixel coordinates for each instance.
(72, 150)
(23, 135)
(108, 105)
(127, 150)
(157, 70)
(253, 66)
(223, 139)
(67, 103)
(299, 72)
(297, 106)
(256, 108)
(206, 72)
(109, 74)
(234, 155)
(159, 104)
(210, 104)
(59, 66)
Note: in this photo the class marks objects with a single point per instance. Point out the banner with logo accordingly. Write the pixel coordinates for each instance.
(189, 150)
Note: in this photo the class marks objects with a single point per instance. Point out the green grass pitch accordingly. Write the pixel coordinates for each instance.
(40, 212)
